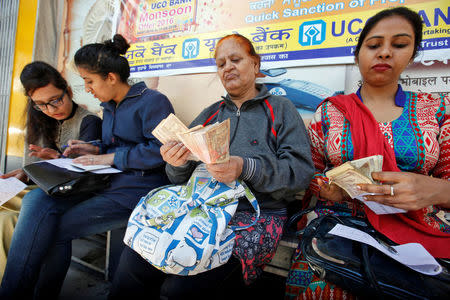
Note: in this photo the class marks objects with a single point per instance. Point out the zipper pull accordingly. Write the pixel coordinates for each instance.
(238, 113)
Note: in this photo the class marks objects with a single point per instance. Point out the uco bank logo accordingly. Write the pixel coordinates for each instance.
(191, 48)
(312, 33)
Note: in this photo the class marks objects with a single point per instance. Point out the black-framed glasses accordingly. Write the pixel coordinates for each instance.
(53, 103)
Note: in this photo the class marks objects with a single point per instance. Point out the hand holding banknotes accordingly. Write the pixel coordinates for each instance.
(175, 153)
(228, 171)
(77, 147)
(209, 143)
(408, 191)
(331, 192)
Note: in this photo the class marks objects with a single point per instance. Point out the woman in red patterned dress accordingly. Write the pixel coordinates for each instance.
(411, 131)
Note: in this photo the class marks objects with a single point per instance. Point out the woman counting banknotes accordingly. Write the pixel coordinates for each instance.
(382, 119)
(269, 150)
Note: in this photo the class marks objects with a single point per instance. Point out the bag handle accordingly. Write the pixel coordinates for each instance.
(373, 283)
(241, 190)
(254, 203)
(369, 272)
(200, 197)
(186, 207)
(295, 218)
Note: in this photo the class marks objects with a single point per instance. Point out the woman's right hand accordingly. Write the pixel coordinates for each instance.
(77, 148)
(43, 153)
(331, 192)
(175, 154)
(19, 174)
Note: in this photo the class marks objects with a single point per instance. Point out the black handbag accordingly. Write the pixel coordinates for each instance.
(362, 269)
(58, 182)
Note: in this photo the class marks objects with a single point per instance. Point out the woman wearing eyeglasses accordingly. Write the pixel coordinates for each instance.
(52, 117)
(41, 248)
(52, 120)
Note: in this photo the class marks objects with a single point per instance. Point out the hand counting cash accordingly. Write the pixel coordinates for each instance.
(210, 143)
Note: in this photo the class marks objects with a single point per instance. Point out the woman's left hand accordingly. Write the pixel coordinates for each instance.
(103, 159)
(226, 172)
(43, 153)
(19, 174)
(408, 191)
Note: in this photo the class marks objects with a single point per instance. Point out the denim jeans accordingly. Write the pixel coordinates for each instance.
(41, 247)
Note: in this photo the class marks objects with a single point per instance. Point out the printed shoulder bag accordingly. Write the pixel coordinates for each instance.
(183, 229)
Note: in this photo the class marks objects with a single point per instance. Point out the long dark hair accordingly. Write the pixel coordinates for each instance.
(409, 15)
(38, 126)
(104, 58)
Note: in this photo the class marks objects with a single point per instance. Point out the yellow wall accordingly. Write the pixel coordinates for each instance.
(23, 54)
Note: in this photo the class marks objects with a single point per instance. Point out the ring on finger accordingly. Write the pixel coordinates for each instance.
(392, 190)
(91, 159)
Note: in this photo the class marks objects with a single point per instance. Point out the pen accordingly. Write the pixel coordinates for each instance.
(388, 247)
(89, 142)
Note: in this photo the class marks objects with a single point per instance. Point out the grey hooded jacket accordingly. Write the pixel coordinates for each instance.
(276, 164)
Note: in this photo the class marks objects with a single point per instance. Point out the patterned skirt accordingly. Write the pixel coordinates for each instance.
(256, 246)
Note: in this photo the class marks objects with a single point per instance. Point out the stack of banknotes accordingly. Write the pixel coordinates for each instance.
(210, 143)
(351, 173)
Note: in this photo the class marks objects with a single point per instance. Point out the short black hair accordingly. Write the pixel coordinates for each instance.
(104, 58)
(411, 16)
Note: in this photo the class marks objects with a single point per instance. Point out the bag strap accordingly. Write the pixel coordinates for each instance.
(188, 206)
(241, 190)
(365, 262)
(369, 272)
(295, 218)
(254, 203)
(182, 210)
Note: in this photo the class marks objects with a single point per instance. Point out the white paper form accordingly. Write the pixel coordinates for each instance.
(64, 163)
(90, 167)
(412, 255)
(67, 163)
(378, 208)
(10, 187)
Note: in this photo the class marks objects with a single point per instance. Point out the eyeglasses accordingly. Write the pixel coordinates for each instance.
(53, 103)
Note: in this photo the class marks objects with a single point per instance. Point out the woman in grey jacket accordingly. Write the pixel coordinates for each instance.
(269, 150)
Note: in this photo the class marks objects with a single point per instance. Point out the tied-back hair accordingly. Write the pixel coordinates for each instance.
(39, 126)
(243, 42)
(104, 58)
(409, 15)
